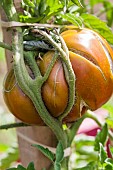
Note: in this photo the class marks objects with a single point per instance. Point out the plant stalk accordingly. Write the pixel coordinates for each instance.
(69, 73)
(6, 46)
(13, 125)
(32, 88)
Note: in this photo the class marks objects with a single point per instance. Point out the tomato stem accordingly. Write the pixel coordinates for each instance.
(13, 125)
(69, 73)
(54, 58)
(32, 88)
(30, 59)
(6, 46)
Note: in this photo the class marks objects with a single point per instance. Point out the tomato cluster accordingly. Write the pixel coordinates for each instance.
(92, 61)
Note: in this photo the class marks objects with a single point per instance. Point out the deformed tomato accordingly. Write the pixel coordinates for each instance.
(92, 61)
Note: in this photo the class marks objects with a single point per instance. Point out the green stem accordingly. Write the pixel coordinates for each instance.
(91, 115)
(30, 59)
(54, 58)
(13, 125)
(29, 3)
(6, 46)
(9, 9)
(32, 88)
(70, 76)
(74, 128)
(64, 164)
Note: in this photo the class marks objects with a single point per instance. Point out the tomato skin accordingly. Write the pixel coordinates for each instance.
(23, 108)
(91, 65)
(91, 58)
(55, 90)
(18, 103)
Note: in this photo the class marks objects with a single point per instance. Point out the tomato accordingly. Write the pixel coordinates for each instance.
(18, 103)
(91, 58)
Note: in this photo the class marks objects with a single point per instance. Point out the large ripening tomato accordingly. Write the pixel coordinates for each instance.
(92, 61)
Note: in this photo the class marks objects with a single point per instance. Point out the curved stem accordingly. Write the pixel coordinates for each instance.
(30, 59)
(6, 46)
(70, 76)
(74, 128)
(54, 58)
(32, 88)
(90, 114)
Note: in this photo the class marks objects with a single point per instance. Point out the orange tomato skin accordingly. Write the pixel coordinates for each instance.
(91, 58)
(55, 90)
(18, 103)
(22, 107)
(92, 61)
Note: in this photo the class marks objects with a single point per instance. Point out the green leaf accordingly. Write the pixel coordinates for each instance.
(99, 26)
(12, 169)
(31, 166)
(29, 19)
(20, 167)
(77, 2)
(103, 154)
(45, 151)
(42, 7)
(111, 150)
(57, 166)
(59, 153)
(72, 18)
(109, 161)
(10, 156)
(90, 166)
(29, 3)
(109, 12)
(101, 137)
(108, 167)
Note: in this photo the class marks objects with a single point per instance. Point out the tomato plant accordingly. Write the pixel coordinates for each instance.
(59, 72)
(91, 58)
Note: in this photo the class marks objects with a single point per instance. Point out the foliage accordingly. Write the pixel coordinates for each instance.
(93, 158)
(78, 13)
(89, 157)
(20, 167)
(55, 158)
(8, 144)
(11, 155)
(74, 12)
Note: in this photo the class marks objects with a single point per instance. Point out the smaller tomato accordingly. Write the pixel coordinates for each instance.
(18, 103)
